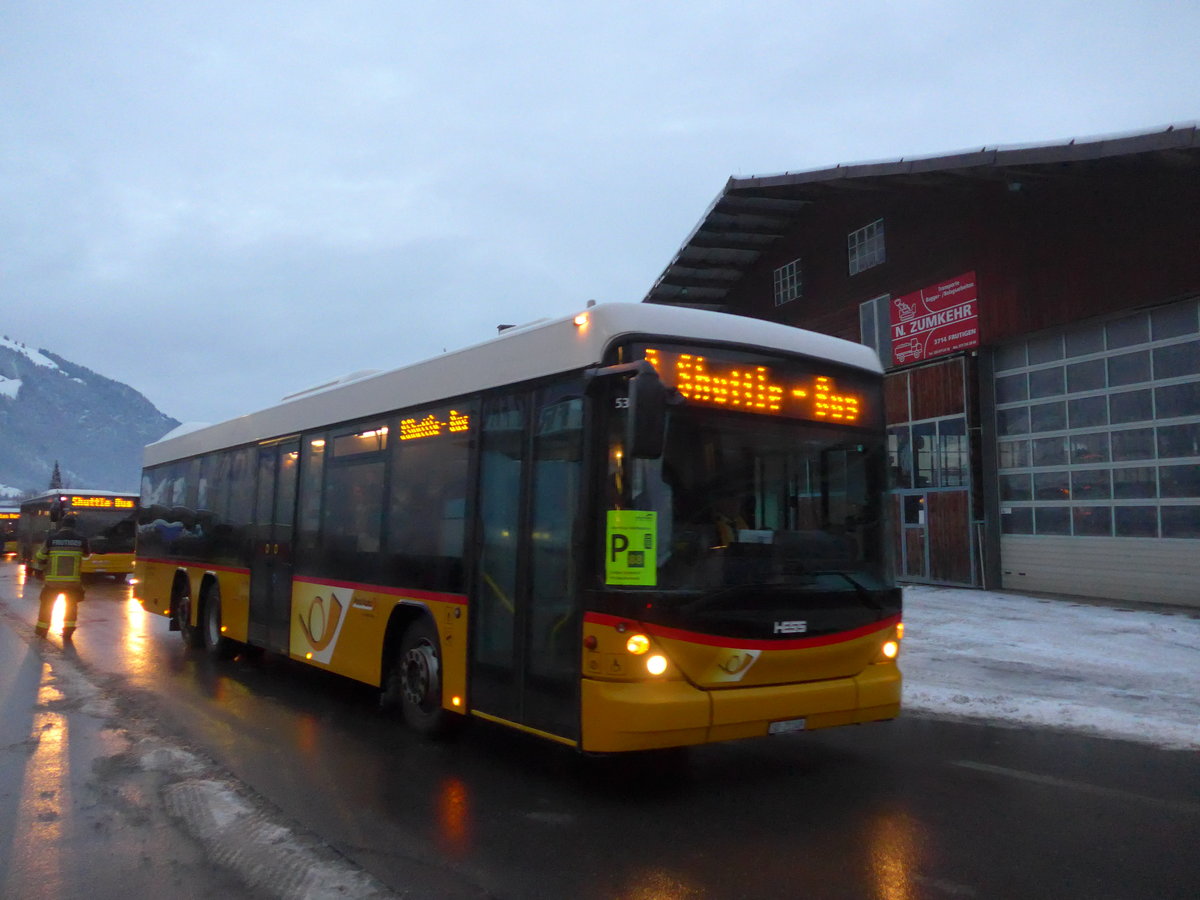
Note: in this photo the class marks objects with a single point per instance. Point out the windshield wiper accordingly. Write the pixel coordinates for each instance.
(864, 594)
(709, 598)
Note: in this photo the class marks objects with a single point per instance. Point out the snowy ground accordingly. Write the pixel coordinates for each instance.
(1106, 670)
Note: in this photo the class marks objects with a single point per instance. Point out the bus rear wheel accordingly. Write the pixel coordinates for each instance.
(415, 681)
(215, 643)
(182, 604)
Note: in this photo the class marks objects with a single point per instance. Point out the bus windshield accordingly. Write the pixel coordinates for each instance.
(761, 520)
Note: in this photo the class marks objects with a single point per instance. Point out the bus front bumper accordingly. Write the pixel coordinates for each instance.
(623, 716)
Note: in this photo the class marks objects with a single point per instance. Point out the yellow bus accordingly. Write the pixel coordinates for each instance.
(635, 527)
(8, 529)
(106, 518)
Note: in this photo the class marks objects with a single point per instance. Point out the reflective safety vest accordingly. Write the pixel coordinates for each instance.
(61, 557)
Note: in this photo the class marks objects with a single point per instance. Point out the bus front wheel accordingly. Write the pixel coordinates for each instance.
(415, 680)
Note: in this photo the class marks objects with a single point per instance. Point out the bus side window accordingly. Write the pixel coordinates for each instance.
(312, 474)
(557, 487)
(427, 505)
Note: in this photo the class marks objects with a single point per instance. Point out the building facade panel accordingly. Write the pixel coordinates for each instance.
(951, 538)
(1063, 450)
(1163, 571)
(938, 390)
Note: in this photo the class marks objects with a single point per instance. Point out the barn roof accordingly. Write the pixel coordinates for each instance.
(751, 214)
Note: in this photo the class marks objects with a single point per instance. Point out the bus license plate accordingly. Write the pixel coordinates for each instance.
(787, 726)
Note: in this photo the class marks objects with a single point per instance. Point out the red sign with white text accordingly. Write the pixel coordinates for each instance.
(935, 320)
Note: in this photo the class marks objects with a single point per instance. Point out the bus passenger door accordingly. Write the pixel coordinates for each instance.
(525, 627)
(271, 561)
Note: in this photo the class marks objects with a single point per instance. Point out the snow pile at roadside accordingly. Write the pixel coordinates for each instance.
(1021, 660)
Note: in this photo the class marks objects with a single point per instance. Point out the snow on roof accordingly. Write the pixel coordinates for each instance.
(515, 355)
(185, 428)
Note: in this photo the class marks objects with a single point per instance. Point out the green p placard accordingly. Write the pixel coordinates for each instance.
(630, 554)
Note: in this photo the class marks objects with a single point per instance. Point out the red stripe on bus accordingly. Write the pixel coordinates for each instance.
(695, 637)
(185, 564)
(416, 594)
(431, 596)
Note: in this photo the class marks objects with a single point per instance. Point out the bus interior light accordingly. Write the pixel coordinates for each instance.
(656, 664)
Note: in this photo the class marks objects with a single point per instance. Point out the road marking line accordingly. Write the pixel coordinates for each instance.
(1173, 805)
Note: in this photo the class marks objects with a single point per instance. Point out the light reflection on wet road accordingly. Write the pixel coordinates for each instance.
(880, 811)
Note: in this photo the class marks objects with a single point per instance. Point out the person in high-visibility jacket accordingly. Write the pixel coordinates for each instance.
(61, 560)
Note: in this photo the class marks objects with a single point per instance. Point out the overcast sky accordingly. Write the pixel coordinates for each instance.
(221, 203)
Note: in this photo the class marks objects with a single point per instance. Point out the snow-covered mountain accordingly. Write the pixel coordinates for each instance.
(54, 410)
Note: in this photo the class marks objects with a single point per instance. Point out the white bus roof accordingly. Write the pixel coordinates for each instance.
(516, 355)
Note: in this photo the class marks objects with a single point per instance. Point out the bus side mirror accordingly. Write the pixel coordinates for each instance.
(646, 424)
(646, 402)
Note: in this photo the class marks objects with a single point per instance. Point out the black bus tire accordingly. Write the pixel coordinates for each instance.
(415, 681)
(182, 605)
(214, 642)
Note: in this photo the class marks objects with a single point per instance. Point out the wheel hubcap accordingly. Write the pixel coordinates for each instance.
(420, 674)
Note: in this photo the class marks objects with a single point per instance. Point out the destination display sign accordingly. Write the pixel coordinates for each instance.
(936, 320)
(78, 502)
(434, 424)
(736, 381)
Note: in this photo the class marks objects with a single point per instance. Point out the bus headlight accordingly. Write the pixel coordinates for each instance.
(656, 664)
(890, 649)
(637, 644)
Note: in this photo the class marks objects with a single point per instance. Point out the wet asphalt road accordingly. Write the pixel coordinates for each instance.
(911, 809)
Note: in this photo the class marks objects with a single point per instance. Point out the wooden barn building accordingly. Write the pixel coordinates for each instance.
(1037, 310)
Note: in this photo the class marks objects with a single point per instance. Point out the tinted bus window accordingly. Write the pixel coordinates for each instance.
(352, 507)
(428, 502)
(312, 475)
